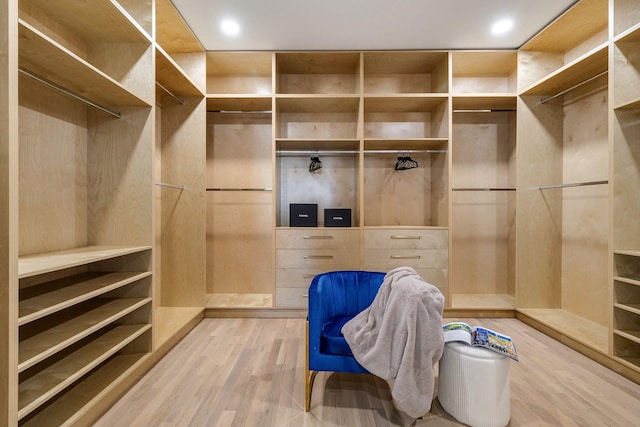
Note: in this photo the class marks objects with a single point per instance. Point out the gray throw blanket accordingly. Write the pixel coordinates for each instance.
(399, 337)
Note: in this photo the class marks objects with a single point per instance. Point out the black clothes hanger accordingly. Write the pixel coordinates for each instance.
(315, 164)
(405, 163)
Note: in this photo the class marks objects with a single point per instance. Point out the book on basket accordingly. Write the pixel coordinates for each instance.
(478, 336)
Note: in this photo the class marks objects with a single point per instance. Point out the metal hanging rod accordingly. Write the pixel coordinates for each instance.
(68, 92)
(176, 186)
(241, 111)
(483, 189)
(574, 87)
(329, 152)
(430, 151)
(240, 189)
(164, 184)
(180, 100)
(482, 110)
(576, 184)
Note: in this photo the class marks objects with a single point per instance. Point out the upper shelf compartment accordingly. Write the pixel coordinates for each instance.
(41, 56)
(405, 72)
(484, 72)
(94, 49)
(318, 73)
(247, 73)
(570, 50)
(180, 56)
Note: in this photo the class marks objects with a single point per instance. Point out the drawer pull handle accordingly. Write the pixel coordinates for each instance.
(406, 237)
(317, 237)
(318, 257)
(303, 215)
(305, 295)
(308, 276)
(405, 256)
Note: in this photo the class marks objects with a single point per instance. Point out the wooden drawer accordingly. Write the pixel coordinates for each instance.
(437, 238)
(387, 259)
(292, 297)
(322, 238)
(300, 277)
(321, 259)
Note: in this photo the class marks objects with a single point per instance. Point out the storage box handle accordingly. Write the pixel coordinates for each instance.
(317, 237)
(406, 237)
(318, 257)
(405, 256)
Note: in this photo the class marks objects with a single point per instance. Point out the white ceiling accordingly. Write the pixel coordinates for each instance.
(367, 24)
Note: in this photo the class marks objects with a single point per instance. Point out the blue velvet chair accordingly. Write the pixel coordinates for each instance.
(335, 298)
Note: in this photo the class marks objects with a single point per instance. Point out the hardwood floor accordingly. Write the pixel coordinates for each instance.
(250, 372)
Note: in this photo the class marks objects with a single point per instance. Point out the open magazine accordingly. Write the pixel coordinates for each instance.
(480, 337)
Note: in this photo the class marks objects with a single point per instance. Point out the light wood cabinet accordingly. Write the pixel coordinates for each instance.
(303, 253)
(239, 180)
(179, 176)
(483, 179)
(562, 216)
(84, 206)
(625, 340)
(96, 116)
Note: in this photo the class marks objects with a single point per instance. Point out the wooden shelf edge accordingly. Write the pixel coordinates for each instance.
(563, 334)
(81, 399)
(629, 335)
(52, 305)
(634, 253)
(629, 308)
(35, 264)
(556, 81)
(36, 51)
(627, 280)
(629, 35)
(172, 77)
(31, 395)
(63, 336)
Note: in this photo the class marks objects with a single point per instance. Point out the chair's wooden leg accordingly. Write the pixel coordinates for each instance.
(310, 380)
(307, 384)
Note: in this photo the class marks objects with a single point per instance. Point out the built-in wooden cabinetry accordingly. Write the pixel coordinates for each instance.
(525, 183)
(239, 180)
(179, 176)
(562, 210)
(483, 179)
(92, 249)
(625, 122)
(143, 179)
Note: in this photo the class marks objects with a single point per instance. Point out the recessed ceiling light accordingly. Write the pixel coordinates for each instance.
(502, 27)
(230, 27)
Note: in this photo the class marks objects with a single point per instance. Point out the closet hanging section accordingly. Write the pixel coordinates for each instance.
(68, 92)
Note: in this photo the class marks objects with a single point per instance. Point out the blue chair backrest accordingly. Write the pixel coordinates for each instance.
(343, 293)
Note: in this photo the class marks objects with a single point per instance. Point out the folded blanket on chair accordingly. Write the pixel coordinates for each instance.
(399, 337)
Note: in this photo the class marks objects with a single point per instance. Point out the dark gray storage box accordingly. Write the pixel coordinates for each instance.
(303, 214)
(337, 217)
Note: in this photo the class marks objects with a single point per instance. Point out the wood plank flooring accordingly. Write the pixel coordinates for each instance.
(250, 372)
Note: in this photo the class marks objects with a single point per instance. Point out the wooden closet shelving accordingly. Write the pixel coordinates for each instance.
(483, 184)
(180, 243)
(561, 280)
(83, 279)
(625, 340)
